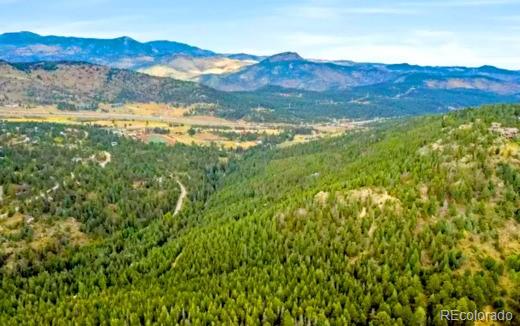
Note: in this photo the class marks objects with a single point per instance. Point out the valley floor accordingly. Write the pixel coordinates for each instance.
(139, 120)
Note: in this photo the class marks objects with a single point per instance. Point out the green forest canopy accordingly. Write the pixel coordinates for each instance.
(386, 226)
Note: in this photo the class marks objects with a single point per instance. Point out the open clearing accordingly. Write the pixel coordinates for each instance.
(162, 123)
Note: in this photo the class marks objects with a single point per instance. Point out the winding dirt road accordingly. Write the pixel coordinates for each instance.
(180, 201)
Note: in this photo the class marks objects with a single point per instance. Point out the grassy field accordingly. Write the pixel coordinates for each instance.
(154, 122)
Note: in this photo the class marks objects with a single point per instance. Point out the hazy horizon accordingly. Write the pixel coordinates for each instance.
(441, 33)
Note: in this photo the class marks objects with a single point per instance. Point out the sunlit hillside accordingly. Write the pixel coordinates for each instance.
(384, 226)
(191, 68)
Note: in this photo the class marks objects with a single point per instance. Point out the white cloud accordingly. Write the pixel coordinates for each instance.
(459, 3)
(423, 47)
(445, 55)
(315, 10)
(337, 9)
(302, 40)
(8, 2)
(379, 11)
(507, 18)
(100, 28)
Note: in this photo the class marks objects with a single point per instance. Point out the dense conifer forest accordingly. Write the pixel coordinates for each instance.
(382, 226)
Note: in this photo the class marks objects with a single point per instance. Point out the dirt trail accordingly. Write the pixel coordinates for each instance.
(180, 201)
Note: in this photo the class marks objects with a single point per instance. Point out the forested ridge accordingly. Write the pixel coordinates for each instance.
(385, 226)
(73, 86)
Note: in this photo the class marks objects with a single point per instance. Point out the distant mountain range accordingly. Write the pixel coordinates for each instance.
(84, 85)
(246, 72)
(263, 88)
(289, 70)
(122, 52)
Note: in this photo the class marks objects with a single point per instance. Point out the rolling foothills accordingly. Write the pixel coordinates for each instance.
(283, 87)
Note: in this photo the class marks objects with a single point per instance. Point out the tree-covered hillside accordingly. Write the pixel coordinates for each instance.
(68, 186)
(383, 227)
(361, 103)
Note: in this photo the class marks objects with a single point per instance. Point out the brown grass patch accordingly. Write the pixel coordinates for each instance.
(377, 197)
(10, 223)
(487, 309)
(475, 248)
(45, 235)
(321, 198)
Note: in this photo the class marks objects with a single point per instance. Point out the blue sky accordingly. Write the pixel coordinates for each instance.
(437, 32)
